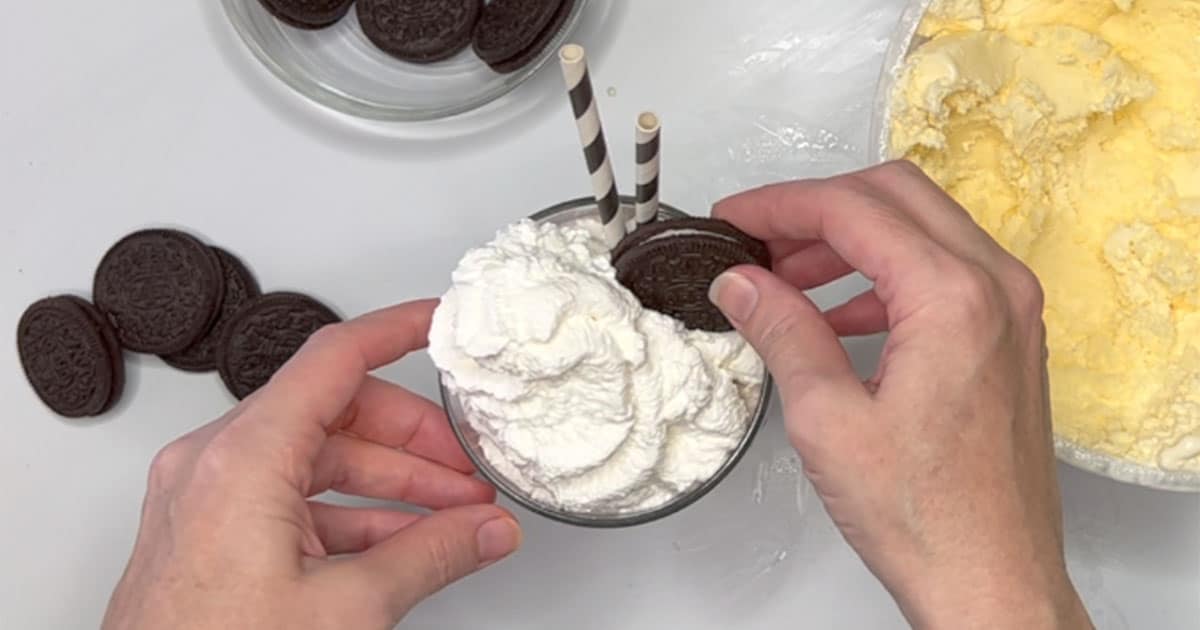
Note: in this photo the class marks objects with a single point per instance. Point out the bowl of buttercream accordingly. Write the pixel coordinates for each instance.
(1068, 129)
(571, 398)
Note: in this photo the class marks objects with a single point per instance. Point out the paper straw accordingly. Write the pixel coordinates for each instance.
(649, 131)
(587, 118)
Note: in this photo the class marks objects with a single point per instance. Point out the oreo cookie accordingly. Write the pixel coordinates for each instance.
(70, 357)
(240, 288)
(510, 33)
(693, 225)
(264, 335)
(529, 54)
(308, 14)
(672, 273)
(116, 354)
(160, 289)
(420, 31)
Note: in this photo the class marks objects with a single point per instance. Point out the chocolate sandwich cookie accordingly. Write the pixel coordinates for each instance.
(693, 225)
(420, 31)
(160, 289)
(520, 60)
(70, 361)
(308, 14)
(673, 275)
(263, 335)
(240, 288)
(511, 30)
(111, 342)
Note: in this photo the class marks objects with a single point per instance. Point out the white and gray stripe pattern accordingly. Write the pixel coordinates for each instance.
(591, 135)
(649, 133)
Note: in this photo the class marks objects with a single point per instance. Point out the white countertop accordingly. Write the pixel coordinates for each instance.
(115, 116)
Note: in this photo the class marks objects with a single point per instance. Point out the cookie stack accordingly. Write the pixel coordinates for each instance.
(670, 265)
(506, 34)
(512, 33)
(161, 292)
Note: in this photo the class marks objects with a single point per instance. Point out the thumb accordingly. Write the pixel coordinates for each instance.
(430, 554)
(789, 332)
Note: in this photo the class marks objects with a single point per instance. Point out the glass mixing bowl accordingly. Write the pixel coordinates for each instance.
(904, 41)
(469, 438)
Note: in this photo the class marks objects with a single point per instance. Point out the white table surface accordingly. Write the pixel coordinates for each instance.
(116, 116)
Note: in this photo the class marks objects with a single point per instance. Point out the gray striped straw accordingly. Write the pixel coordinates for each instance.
(587, 118)
(649, 132)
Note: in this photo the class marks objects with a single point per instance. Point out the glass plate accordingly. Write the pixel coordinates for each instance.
(340, 68)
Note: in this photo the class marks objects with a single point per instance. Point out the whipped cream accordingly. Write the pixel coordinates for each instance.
(584, 399)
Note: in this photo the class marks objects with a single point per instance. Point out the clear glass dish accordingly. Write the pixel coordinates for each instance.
(340, 69)
(469, 438)
(903, 43)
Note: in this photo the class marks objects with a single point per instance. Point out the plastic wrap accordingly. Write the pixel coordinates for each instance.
(789, 98)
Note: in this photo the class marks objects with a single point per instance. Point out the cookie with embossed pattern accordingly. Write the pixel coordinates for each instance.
(308, 14)
(71, 364)
(420, 31)
(508, 28)
(673, 275)
(160, 289)
(240, 288)
(531, 52)
(670, 228)
(264, 335)
(116, 354)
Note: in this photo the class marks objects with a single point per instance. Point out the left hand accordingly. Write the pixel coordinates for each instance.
(230, 538)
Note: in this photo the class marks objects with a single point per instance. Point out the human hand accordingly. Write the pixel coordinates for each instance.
(939, 470)
(230, 539)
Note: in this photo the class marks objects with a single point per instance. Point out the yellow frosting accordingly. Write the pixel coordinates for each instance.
(1070, 129)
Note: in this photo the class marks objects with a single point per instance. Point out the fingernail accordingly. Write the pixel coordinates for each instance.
(497, 538)
(735, 295)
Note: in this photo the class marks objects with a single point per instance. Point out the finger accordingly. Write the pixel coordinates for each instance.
(353, 530)
(325, 375)
(357, 467)
(393, 416)
(812, 267)
(862, 315)
(784, 248)
(788, 331)
(870, 236)
(428, 555)
(288, 420)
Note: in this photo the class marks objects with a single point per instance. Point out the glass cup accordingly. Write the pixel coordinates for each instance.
(469, 438)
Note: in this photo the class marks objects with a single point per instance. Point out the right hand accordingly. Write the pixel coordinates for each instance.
(939, 470)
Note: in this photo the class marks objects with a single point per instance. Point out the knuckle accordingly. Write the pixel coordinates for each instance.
(167, 464)
(776, 334)
(894, 173)
(779, 339)
(1027, 292)
(214, 461)
(439, 562)
(974, 294)
(853, 183)
(861, 191)
(903, 178)
(906, 168)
